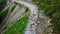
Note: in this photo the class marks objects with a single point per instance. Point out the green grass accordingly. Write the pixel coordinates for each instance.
(19, 26)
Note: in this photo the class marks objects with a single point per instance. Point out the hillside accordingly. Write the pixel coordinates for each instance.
(30, 17)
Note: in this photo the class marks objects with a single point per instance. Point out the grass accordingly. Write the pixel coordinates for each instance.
(19, 27)
(51, 7)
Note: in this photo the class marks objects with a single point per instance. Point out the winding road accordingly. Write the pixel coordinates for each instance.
(33, 17)
(31, 26)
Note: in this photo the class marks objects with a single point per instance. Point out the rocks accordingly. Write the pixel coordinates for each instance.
(42, 14)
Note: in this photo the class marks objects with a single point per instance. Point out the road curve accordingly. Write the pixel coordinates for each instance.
(31, 26)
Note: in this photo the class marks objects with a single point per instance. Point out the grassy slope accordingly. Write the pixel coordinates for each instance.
(51, 7)
(19, 27)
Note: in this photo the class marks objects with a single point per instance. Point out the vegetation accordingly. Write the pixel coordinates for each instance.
(2, 1)
(4, 13)
(52, 9)
(54, 13)
(18, 27)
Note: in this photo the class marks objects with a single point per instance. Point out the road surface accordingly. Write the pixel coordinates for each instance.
(31, 26)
